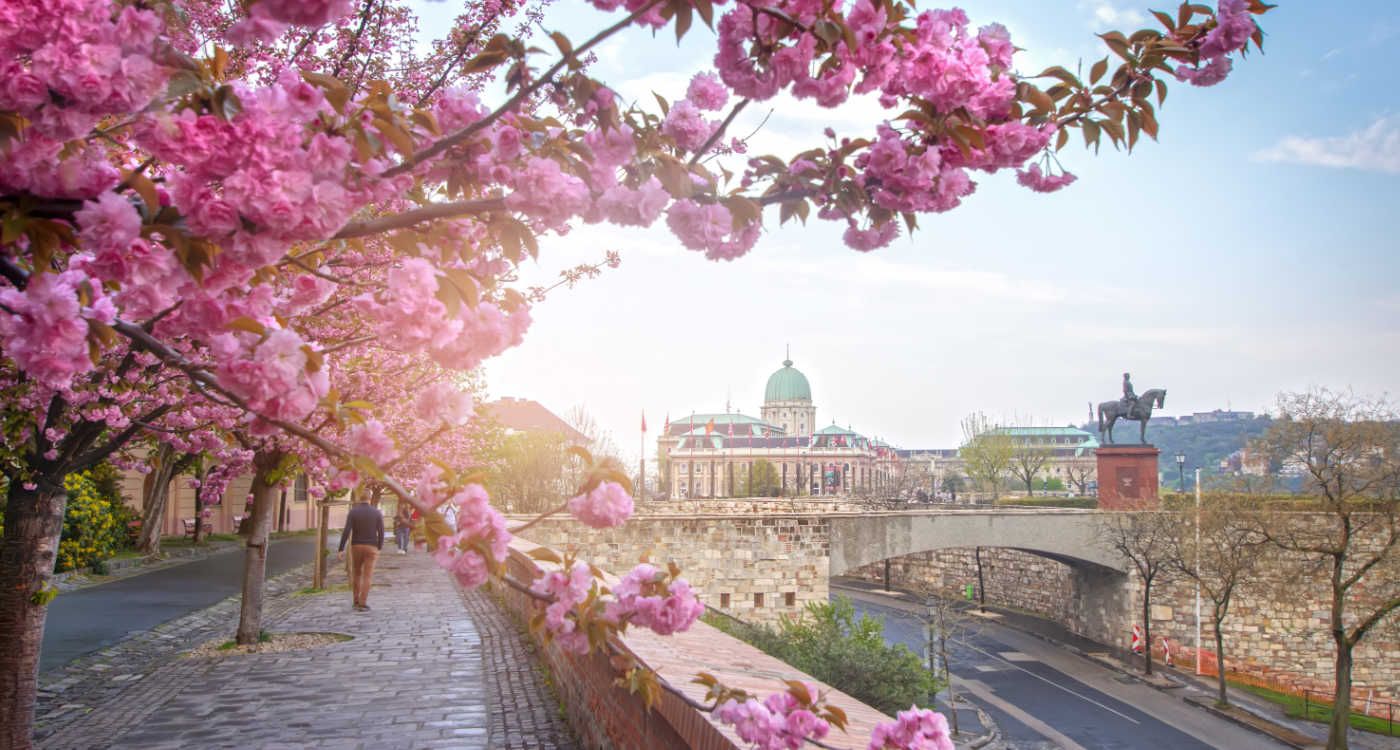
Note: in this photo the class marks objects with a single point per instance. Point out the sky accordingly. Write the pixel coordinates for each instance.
(1250, 251)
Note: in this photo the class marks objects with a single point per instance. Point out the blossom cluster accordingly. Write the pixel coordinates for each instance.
(481, 541)
(602, 507)
(1233, 29)
(915, 729)
(778, 722)
(644, 597)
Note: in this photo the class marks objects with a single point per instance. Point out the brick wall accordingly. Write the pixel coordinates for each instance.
(608, 717)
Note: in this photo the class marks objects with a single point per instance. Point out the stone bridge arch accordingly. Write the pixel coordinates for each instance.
(1068, 536)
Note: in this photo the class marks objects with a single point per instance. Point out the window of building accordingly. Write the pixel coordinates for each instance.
(299, 496)
(758, 601)
(724, 601)
(790, 599)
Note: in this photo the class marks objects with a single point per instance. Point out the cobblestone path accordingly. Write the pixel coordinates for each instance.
(414, 675)
(525, 713)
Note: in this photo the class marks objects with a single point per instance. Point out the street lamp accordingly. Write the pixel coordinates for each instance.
(1181, 471)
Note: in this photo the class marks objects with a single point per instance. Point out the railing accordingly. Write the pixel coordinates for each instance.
(1372, 708)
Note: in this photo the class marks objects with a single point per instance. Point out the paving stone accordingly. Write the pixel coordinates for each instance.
(428, 666)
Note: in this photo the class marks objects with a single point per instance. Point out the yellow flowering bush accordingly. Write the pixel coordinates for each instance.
(92, 531)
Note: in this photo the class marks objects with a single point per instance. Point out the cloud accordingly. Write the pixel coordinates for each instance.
(1108, 14)
(1375, 148)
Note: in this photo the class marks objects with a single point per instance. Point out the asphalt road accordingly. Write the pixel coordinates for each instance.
(83, 621)
(1044, 697)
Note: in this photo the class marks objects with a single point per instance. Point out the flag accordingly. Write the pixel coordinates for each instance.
(709, 426)
(644, 420)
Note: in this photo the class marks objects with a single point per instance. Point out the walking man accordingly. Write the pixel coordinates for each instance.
(364, 528)
(403, 524)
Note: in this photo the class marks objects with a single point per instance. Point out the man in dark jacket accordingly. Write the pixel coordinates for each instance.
(364, 528)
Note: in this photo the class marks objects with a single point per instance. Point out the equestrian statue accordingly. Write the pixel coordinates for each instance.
(1130, 406)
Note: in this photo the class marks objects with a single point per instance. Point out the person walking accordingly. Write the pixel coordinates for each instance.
(364, 529)
(403, 526)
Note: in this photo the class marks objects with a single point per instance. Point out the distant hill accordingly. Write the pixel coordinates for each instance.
(1204, 444)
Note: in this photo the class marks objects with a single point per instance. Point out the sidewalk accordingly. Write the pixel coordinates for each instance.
(413, 675)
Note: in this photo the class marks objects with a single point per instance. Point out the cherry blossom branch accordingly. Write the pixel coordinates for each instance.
(461, 136)
(418, 216)
(719, 131)
(537, 519)
(522, 588)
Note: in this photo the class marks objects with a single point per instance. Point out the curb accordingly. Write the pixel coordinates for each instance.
(1257, 724)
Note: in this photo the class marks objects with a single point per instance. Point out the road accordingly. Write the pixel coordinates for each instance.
(83, 621)
(1045, 697)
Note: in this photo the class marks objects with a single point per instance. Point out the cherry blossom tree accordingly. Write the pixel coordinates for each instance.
(228, 215)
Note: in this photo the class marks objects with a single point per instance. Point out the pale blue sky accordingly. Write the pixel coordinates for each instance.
(1252, 250)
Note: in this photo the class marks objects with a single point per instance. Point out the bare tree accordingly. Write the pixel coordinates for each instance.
(1145, 539)
(600, 441)
(1028, 459)
(1079, 475)
(1348, 450)
(1218, 548)
(986, 452)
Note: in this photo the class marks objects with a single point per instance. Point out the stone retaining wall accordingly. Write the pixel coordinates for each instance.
(1275, 633)
(757, 568)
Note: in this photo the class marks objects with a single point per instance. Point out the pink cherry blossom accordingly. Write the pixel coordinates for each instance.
(644, 600)
(1034, 179)
(915, 729)
(443, 403)
(370, 440)
(568, 589)
(603, 507)
(706, 92)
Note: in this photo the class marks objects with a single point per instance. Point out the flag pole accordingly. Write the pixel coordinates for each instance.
(643, 460)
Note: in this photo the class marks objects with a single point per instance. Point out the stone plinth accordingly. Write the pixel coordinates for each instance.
(1127, 476)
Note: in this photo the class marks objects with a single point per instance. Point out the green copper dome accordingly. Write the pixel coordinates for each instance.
(787, 384)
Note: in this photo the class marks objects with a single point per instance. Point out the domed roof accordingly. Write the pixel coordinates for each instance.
(787, 384)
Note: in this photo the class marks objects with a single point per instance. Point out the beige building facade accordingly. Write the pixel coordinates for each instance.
(714, 455)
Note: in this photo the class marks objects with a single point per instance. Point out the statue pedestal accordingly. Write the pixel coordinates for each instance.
(1127, 477)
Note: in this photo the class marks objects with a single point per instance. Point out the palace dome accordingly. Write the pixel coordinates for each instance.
(787, 384)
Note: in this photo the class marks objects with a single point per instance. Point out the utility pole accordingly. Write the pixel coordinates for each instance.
(1198, 571)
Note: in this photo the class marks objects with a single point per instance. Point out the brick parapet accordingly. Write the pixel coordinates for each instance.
(607, 716)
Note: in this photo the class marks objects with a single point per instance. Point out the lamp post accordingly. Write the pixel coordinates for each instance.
(1181, 472)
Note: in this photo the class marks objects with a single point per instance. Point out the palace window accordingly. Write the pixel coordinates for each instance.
(790, 599)
(724, 601)
(758, 601)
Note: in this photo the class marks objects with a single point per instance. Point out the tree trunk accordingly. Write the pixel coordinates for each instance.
(1220, 663)
(255, 554)
(1341, 696)
(33, 524)
(157, 492)
(318, 577)
(1147, 627)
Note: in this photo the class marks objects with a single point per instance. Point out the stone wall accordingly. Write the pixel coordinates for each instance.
(1275, 633)
(757, 567)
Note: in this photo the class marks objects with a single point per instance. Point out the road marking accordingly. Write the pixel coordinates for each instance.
(1039, 727)
(1081, 696)
(1016, 656)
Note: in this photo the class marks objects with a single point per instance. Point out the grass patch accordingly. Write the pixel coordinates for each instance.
(1295, 707)
(310, 591)
(1050, 502)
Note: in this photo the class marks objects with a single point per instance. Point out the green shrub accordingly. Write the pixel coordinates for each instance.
(828, 642)
(93, 528)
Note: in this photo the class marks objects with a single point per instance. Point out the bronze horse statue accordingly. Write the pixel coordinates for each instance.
(1141, 411)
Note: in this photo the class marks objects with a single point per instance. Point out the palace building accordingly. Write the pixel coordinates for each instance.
(723, 454)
